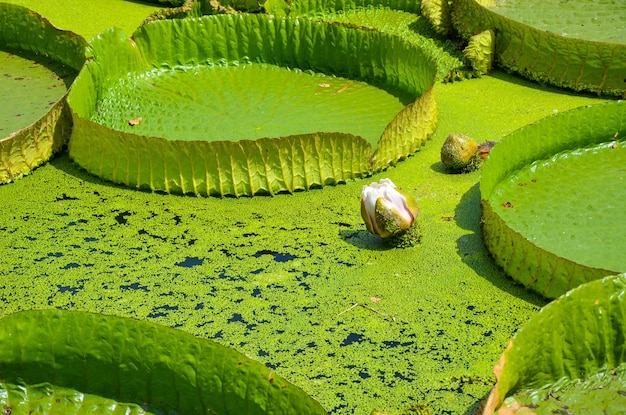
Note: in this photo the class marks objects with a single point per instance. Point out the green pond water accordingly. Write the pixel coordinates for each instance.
(600, 21)
(272, 276)
(571, 205)
(277, 277)
(247, 101)
(28, 88)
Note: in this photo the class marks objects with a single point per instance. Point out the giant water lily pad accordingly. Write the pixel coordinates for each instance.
(37, 62)
(552, 196)
(576, 44)
(63, 361)
(184, 129)
(569, 358)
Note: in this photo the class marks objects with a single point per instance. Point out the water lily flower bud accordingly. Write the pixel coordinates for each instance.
(387, 210)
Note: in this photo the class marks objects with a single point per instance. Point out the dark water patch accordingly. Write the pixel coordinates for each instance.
(31, 238)
(218, 335)
(342, 224)
(199, 306)
(278, 257)
(347, 264)
(272, 366)
(352, 338)
(75, 223)
(304, 285)
(120, 218)
(162, 311)
(363, 374)
(177, 220)
(71, 265)
(145, 232)
(400, 376)
(338, 409)
(51, 255)
(488, 333)
(63, 214)
(90, 239)
(190, 262)
(134, 286)
(249, 234)
(256, 292)
(237, 318)
(67, 288)
(65, 197)
(320, 376)
(262, 353)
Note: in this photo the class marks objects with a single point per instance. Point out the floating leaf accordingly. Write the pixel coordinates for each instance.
(551, 194)
(160, 369)
(569, 356)
(179, 151)
(26, 33)
(556, 42)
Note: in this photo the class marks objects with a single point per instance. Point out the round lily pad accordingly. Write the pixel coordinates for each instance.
(38, 63)
(552, 197)
(569, 358)
(57, 361)
(575, 44)
(249, 104)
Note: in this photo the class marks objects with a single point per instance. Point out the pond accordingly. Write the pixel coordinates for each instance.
(293, 281)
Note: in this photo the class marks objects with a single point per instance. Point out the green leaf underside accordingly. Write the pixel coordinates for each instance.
(411, 27)
(604, 390)
(164, 370)
(28, 89)
(601, 21)
(47, 399)
(571, 205)
(247, 101)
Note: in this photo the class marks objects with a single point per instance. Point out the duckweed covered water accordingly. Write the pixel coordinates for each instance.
(278, 277)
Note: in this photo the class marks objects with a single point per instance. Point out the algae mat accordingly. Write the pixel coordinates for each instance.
(277, 277)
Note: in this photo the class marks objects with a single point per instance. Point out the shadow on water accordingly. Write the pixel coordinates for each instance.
(364, 240)
(474, 253)
(62, 161)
